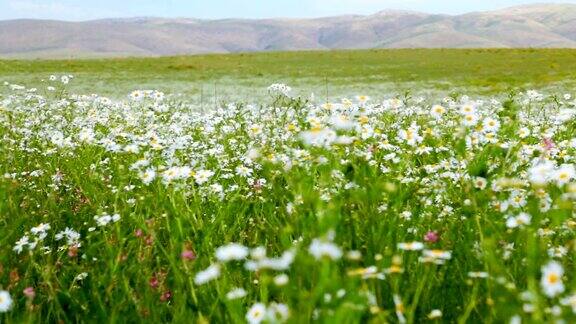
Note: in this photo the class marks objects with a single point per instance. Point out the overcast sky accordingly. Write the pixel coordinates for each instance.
(213, 9)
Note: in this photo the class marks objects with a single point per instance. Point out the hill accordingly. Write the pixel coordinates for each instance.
(542, 26)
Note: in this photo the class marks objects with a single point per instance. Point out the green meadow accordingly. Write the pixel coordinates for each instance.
(328, 74)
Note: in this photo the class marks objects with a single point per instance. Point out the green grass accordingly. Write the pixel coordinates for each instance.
(325, 73)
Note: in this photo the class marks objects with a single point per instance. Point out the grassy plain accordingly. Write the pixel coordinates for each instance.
(327, 74)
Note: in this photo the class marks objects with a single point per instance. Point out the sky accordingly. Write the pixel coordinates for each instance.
(75, 10)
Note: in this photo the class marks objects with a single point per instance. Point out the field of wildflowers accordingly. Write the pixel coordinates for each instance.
(404, 210)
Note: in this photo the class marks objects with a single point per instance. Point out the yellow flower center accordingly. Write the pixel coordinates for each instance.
(553, 278)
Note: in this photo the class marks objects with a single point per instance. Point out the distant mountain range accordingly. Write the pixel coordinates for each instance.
(546, 25)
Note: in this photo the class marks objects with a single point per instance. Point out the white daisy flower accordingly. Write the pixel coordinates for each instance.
(5, 301)
(551, 281)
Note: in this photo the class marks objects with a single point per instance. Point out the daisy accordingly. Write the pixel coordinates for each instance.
(21, 243)
(540, 172)
(490, 125)
(354, 255)
(524, 132)
(131, 148)
(470, 120)
(209, 274)
(435, 314)
(5, 301)
(157, 95)
(185, 172)
(327, 106)
(411, 246)
(231, 252)
(319, 137)
(279, 264)
(40, 230)
(277, 313)
(362, 99)
(258, 253)
(243, 171)
(518, 221)
(136, 95)
(256, 313)
(281, 279)
(320, 249)
(170, 175)
(411, 135)
(570, 301)
(86, 135)
(564, 174)
(517, 199)
(255, 130)
(148, 176)
(439, 254)
(437, 111)
(81, 276)
(436, 256)
(557, 252)
(367, 273)
(342, 122)
(490, 137)
(551, 281)
(467, 109)
(480, 183)
(236, 293)
(399, 307)
(544, 205)
(203, 176)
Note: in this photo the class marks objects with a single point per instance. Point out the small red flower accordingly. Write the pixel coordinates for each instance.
(431, 237)
(188, 255)
(73, 251)
(149, 240)
(154, 282)
(548, 144)
(257, 185)
(29, 292)
(166, 296)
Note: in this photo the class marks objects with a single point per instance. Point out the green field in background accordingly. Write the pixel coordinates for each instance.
(327, 73)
